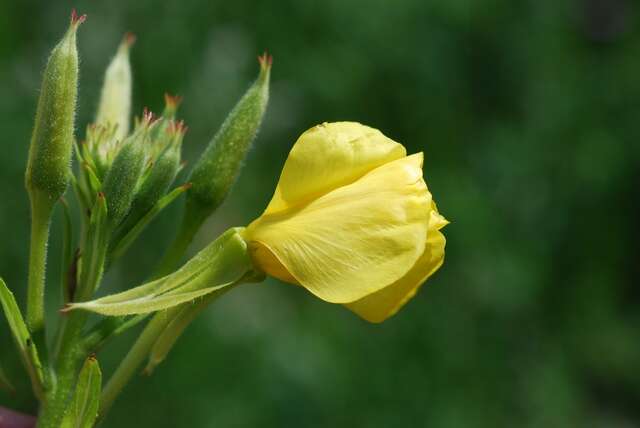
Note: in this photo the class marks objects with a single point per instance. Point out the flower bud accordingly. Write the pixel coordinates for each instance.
(49, 165)
(115, 101)
(122, 178)
(163, 172)
(217, 169)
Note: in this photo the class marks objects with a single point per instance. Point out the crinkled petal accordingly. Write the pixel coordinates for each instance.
(354, 240)
(385, 303)
(329, 156)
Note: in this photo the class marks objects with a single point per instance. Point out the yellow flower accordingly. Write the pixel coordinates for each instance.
(351, 220)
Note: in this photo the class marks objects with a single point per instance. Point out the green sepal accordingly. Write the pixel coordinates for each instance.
(149, 198)
(86, 398)
(221, 264)
(122, 178)
(22, 337)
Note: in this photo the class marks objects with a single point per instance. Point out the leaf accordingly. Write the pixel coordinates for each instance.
(133, 234)
(22, 337)
(86, 398)
(221, 264)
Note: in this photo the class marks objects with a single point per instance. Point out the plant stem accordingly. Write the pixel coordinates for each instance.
(134, 359)
(41, 210)
(145, 342)
(72, 352)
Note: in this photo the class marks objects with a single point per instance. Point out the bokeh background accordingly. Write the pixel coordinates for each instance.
(529, 116)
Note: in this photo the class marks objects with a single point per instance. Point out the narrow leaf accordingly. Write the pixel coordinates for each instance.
(21, 335)
(222, 263)
(86, 398)
(146, 304)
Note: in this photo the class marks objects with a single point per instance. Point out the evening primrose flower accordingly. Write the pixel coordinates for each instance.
(351, 220)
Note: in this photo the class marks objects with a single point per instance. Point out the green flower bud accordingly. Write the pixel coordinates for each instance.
(49, 165)
(115, 101)
(122, 179)
(162, 174)
(218, 167)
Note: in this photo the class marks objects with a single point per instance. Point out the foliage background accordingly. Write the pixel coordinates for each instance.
(527, 112)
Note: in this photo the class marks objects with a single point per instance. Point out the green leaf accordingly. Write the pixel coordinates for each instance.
(86, 398)
(221, 264)
(95, 250)
(22, 337)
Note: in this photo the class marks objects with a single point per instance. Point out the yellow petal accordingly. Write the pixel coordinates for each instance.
(379, 306)
(328, 156)
(352, 241)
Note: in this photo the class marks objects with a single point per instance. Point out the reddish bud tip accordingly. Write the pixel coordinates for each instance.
(265, 60)
(187, 186)
(92, 356)
(129, 39)
(100, 195)
(65, 309)
(75, 19)
(177, 127)
(172, 101)
(147, 116)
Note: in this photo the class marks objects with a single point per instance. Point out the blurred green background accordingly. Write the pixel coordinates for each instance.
(528, 113)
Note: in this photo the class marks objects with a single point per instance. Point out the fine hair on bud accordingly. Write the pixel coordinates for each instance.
(49, 165)
(122, 178)
(218, 167)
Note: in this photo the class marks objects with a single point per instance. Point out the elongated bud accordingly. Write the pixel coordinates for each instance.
(121, 181)
(157, 182)
(217, 169)
(115, 101)
(49, 165)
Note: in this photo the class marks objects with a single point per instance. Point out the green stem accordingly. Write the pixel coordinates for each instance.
(147, 339)
(72, 352)
(41, 210)
(134, 359)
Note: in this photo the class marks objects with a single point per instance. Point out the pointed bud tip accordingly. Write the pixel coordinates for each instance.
(77, 20)
(172, 101)
(147, 116)
(265, 61)
(177, 128)
(187, 186)
(129, 39)
(66, 308)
